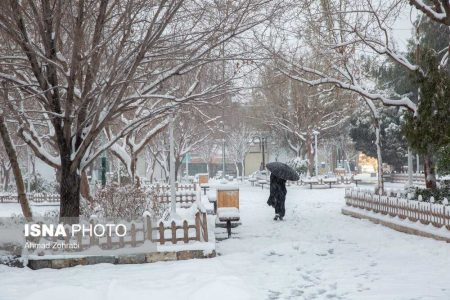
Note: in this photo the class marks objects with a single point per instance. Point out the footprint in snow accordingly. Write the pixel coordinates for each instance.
(274, 295)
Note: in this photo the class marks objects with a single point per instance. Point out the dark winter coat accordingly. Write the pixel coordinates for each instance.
(277, 191)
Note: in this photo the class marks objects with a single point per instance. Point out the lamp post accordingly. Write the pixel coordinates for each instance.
(315, 133)
(103, 159)
(103, 164)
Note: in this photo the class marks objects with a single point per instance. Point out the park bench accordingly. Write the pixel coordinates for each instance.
(228, 215)
(228, 205)
(330, 181)
(205, 187)
(252, 181)
(262, 182)
(310, 181)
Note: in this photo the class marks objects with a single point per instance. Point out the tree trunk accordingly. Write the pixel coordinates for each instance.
(6, 178)
(430, 171)
(11, 151)
(243, 170)
(152, 174)
(69, 192)
(177, 168)
(133, 167)
(310, 156)
(84, 187)
(379, 158)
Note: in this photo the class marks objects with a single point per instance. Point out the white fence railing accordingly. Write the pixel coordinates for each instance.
(425, 212)
(32, 197)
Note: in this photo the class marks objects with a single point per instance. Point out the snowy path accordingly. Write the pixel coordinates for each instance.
(316, 253)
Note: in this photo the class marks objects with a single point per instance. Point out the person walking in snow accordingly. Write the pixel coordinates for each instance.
(277, 196)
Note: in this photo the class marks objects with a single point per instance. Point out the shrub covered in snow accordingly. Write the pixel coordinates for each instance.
(298, 164)
(438, 194)
(115, 201)
(443, 160)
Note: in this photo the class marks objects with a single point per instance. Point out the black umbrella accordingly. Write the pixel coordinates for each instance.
(282, 171)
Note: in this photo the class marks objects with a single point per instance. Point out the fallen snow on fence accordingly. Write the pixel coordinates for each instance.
(432, 218)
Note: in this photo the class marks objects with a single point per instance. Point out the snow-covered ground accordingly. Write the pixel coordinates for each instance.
(315, 253)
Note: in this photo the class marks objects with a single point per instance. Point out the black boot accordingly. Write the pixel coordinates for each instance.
(276, 217)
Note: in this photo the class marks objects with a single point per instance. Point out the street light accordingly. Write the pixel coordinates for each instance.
(315, 133)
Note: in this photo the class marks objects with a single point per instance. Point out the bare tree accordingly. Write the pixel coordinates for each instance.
(335, 45)
(295, 110)
(128, 148)
(81, 65)
(207, 151)
(238, 145)
(10, 149)
(5, 168)
(191, 130)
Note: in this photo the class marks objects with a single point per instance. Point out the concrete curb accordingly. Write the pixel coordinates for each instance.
(60, 263)
(401, 228)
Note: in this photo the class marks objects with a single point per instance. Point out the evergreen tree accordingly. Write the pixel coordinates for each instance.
(394, 146)
(429, 129)
(427, 132)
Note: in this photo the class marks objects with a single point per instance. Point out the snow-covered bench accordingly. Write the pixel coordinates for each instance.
(262, 182)
(252, 181)
(204, 186)
(228, 215)
(330, 180)
(310, 181)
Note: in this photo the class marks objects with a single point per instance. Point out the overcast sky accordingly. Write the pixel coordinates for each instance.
(402, 30)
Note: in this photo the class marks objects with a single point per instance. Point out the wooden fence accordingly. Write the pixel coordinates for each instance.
(164, 188)
(403, 178)
(138, 233)
(339, 180)
(33, 197)
(200, 226)
(184, 198)
(425, 212)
